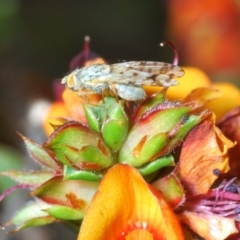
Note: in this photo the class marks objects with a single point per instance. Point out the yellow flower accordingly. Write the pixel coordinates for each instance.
(230, 99)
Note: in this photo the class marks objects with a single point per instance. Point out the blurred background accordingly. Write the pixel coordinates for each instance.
(38, 39)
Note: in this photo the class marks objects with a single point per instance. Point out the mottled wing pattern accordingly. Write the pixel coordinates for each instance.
(146, 73)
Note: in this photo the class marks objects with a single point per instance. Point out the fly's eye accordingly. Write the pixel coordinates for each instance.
(71, 81)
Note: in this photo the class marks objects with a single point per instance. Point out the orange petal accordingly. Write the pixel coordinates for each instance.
(204, 150)
(125, 208)
(209, 226)
(230, 126)
(57, 110)
(199, 97)
(73, 103)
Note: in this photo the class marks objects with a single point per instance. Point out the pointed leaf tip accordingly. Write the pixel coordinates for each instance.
(41, 155)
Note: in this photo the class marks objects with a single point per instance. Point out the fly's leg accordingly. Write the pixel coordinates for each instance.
(90, 88)
(83, 94)
(109, 92)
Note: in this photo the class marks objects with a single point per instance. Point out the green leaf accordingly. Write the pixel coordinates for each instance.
(71, 193)
(33, 178)
(115, 127)
(73, 174)
(72, 142)
(115, 111)
(114, 133)
(107, 101)
(155, 127)
(155, 165)
(95, 116)
(183, 130)
(32, 215)
(94, 158)
(171, 189)
(65, 213)
(41, 155)
(149, 103)
(149, 149)
(35, 222)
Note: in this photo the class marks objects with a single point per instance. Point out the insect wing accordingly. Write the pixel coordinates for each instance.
(146, 73)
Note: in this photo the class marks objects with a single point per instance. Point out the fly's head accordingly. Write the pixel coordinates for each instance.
(84, 77)
(72, 80)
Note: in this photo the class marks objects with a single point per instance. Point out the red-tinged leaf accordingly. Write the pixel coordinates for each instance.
(70, 142)
(34, 178)
(72, 193)
(209, 226)
(92, 158)
(181, 131)
(13, 188)
(154, 127)
(31, 215)
(171, 189)
(149, 103)
(65, 213)
(41, 155)
(36, 222)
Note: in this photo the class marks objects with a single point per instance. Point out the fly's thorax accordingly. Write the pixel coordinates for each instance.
(100, 87)
(93, 72)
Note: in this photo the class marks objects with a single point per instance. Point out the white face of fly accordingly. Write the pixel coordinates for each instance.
(126, 79)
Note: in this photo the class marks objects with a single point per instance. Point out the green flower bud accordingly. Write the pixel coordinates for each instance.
(115, 128)
(76, 145)
(150, 135)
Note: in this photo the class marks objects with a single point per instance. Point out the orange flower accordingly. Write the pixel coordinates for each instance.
(124, 207)
(228, 98)
(208, 35)
(204, 156)
(204, 150)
